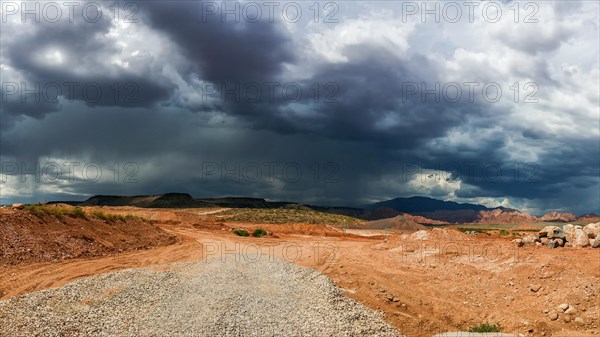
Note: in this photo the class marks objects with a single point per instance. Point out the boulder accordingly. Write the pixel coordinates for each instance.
(552, 244)
(18, 206)
(518, 242)
(529, 239)
(592, 230)
(559, 242)
(596, 242)
(544, 241)
(557, 233)
(545, 231)
(569, 231)
(581, 238)
(551, 232)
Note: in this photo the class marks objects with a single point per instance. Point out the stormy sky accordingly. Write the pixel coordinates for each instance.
(331, 103)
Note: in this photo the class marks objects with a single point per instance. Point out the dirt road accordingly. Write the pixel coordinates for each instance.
(255, 296)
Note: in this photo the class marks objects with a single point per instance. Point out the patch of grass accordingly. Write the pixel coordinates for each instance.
(486, 327)
(114, 217)
(59, 212)
(259, 232)
(102, 216)
(285, 215)
(504, 232)
(241, 232)
(79, 212)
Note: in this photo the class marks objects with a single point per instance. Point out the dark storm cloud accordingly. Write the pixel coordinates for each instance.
(378, 123)
(222, 50)
(83, 72)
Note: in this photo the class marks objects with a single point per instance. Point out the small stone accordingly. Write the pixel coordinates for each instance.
(571, 311)
(579, 320)
(563, 307)
(553, 315)
(535, 288)
(567, 318)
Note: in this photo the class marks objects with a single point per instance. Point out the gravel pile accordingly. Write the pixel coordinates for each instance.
(210, 298)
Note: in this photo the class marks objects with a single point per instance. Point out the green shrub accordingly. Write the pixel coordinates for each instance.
(241, 232)
(102, 216)
(36, 210)
(259, 232)
(486, 327)
(59, 212)
(79, 212)
(504, 232)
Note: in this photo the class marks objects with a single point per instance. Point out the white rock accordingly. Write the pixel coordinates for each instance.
(569, 232)
(596, 242)
(581, 238)
(592, 229)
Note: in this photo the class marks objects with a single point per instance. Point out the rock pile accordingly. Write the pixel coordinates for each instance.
(568, 235)
(566, 312)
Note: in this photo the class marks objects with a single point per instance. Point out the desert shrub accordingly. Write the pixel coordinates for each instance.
(36, 210)
(504, 232)
(241, 232)
(114, 217)
(259, 232)
(486, 327)
(101, 215)
(59, 212)
(79, 212)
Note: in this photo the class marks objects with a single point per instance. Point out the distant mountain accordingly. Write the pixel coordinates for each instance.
(556, 216)
(180, 200)
(419, 210)
(423, 204)
(589, 218)
(167, 200)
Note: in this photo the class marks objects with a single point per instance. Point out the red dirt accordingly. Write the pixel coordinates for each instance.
(28, 238)
(426, 282)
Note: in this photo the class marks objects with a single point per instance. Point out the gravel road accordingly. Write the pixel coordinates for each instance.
(205, 298)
